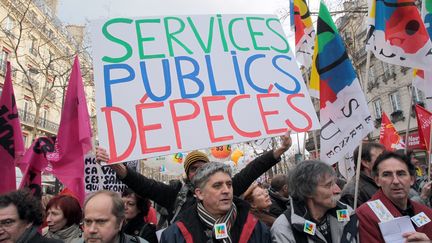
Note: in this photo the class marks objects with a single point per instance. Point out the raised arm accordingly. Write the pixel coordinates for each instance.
(161, 193)
(243, 179)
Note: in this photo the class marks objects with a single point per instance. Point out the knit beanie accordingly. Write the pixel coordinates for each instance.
(193, 157)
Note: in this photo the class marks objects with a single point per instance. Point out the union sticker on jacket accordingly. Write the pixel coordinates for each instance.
(380, 210)
(309, 227)
(342, 215)
(220, 231)
(420, 219)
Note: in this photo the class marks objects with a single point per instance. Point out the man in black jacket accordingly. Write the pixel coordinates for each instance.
(278, 193)
(20, 217)
(216, 216)
(177, 197)
(367, 186)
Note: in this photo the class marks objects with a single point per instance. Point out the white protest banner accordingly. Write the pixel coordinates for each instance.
(97, 177)
(168, 84)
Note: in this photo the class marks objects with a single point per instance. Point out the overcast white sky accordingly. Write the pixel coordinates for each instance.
(82, 12)
(78, 11)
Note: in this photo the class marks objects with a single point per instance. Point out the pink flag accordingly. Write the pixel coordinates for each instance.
(11, 138)
(74, 136)
(34, 162)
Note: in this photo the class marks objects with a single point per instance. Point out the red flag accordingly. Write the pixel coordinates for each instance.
(424, 119)
(389, 136)
(11, 138)
(74, 136)
(34, 162)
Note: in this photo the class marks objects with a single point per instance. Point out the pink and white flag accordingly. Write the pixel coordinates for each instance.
(11, 139)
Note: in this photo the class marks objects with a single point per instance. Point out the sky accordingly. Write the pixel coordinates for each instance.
(73, 12)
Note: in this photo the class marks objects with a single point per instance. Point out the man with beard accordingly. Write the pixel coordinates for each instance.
(314, 213)
(394, 174)
(216, 216)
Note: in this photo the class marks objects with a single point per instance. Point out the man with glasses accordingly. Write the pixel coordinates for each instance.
(104, 215)
(20, 217)
(315, 213)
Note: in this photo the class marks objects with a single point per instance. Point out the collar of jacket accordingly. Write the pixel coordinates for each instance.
(366, 178)
(275, 196)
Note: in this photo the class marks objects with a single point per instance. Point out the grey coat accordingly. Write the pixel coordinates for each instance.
(283, 231)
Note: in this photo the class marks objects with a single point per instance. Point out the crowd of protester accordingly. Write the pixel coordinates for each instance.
(311, 203)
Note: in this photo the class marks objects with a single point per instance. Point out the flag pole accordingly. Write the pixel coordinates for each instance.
(357, 176)
(430, 152)
(409, 118)
(304, 145)
(314, 139)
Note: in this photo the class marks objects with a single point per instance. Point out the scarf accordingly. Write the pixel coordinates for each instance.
(181, 199)
(28, 234)
(66, 234)
(210, 221)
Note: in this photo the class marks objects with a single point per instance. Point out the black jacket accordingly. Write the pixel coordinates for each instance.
(138, 227)
(367, 188)
(38, 238)
(192, 222)
(165, 195)
(279, 204)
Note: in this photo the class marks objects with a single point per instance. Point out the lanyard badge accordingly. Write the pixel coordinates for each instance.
(221, 231)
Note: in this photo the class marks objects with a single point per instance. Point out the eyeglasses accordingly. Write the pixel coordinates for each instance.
(6, 223)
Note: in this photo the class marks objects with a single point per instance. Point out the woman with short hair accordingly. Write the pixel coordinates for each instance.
(63, 217)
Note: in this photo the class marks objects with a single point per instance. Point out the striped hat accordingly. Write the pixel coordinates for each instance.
(193, 157)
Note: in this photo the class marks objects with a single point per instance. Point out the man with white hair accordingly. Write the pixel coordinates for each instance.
(314, 213)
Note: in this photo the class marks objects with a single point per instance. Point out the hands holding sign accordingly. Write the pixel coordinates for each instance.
(102, 156)
(286, 144)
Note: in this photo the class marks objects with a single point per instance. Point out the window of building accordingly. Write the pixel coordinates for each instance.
(32, 73)
(26, 109)
(372, 74)
(395, 101)
(388, 70)
(377, 108)
(33, 45)
(3, 60)
(44, 117)
(417, 95)
(50, 33)
(8, 24)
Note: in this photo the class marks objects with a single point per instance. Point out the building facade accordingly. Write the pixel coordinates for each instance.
(41, 51)
(388, 88)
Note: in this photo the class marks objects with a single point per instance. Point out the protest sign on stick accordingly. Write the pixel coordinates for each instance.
(170, 84)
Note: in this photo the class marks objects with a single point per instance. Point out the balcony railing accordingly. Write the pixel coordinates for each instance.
(28, 118)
